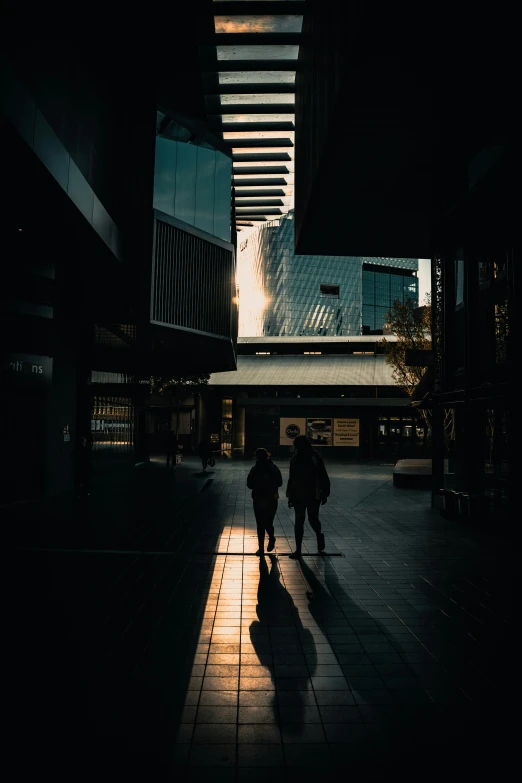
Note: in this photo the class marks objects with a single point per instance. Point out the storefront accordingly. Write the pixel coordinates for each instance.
(348, 404)
(354, 432)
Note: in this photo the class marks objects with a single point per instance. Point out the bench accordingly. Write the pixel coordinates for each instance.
(412, 473)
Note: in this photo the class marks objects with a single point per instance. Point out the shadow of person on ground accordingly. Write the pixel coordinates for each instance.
(389, 672)
(285, 654)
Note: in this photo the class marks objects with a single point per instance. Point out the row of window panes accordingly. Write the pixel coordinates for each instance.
(492, 269)
(110, 411)
(100, 376)
(112, 424)
(226, 408)
(405, 430)
(193, 183)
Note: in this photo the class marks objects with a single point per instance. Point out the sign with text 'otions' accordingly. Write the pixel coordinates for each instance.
(346, 432)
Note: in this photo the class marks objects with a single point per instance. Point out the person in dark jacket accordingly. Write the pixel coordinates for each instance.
(308, 488)
(171, 446)
(264, 480)
(205, 452)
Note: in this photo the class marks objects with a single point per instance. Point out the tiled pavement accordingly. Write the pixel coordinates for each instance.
(138, 653)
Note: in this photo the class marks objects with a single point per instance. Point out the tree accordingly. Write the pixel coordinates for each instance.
(178, 387)
(412, 327)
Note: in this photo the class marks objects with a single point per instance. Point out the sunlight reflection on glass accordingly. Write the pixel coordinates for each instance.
(264, 23)
(252, 300)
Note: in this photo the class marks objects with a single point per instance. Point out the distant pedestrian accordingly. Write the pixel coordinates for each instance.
(205, 453)
(308, 488)
(264, 480)
(171, 447)
(81, 457)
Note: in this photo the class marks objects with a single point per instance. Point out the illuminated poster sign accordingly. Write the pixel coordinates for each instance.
(319, 431)
(346, 432)
(290, 429)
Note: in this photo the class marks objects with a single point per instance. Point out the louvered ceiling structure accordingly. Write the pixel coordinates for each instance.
(249, 78)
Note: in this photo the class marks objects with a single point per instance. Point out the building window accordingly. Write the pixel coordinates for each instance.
(226, 408)
(112, 424)
(98, 376)
(121, 336)
(501, 321)
(381, 286)
(192, 180)
(330, 291)
(226, 437)
(459, 280)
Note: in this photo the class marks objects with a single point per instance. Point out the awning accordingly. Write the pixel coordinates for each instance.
(332, 370)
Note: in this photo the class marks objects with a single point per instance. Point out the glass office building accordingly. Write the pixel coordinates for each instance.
(383, 284)
(284, 294)
(192, 179)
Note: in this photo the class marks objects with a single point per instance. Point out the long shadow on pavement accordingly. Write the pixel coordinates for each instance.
(284, 655)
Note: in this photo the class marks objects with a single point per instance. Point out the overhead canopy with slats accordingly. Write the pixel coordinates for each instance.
(249, 79)
(307, 371)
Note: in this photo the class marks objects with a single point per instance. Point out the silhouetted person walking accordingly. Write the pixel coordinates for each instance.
(81, 462)
(264, 480)
(308, 488)
(205, 453)
(171, 446)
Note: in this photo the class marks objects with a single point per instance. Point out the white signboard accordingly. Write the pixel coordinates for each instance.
(346, 432)
(290, 429)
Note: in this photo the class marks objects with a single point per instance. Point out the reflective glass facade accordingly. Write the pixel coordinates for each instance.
(284, 294)
(192, 180)
(381, 286)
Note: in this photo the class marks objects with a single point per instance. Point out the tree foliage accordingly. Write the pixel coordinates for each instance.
(178, 386)
(412, 327)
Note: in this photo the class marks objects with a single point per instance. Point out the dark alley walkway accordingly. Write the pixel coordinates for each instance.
(150, 643)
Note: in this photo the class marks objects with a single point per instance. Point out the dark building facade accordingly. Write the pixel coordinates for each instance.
(404, 152)
(118, 261)
(474, 337)
(424, 167)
